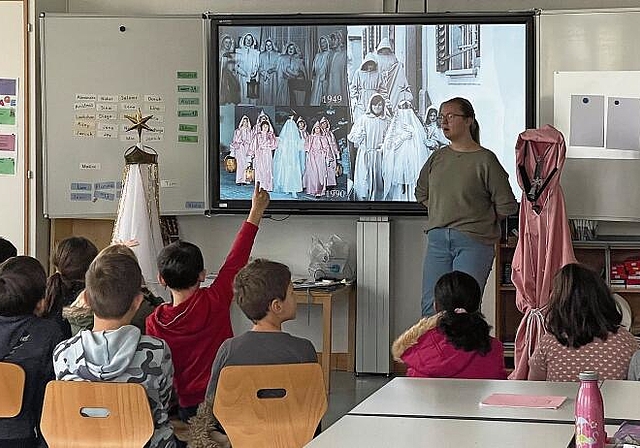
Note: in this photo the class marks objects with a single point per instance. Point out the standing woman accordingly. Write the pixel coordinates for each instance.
(466, 192)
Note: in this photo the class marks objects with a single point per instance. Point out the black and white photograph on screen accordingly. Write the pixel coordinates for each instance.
(378, 86)
(427, 65)
(367, 136)
(285, 65)
(404, 151)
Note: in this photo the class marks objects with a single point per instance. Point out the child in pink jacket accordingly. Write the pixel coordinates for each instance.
(455, 342)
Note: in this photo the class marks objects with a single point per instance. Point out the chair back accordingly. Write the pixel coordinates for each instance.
(11, 389)
(79, 414)
(270, 405)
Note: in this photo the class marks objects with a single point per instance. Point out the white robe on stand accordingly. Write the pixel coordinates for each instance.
(138, 219)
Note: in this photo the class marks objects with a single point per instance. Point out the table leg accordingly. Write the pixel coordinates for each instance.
(326, 341)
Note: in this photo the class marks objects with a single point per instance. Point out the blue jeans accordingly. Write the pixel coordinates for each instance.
(451, 250)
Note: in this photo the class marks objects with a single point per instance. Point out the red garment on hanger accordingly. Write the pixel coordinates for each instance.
(544, 241)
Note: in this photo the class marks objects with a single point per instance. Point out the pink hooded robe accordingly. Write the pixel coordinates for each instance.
(544, 242)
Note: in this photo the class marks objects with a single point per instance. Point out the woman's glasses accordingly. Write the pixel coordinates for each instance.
(448, 117)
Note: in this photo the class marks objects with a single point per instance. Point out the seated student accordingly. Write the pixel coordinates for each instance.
(7, 250)
(26, 340)
(116, 351)
(199, 320)
(454, 343)
(80, 315)
(584, 332)
(71, 259)
(264, 292)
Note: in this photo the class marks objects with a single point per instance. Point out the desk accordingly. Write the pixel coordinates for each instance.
(621, 399)
(324, 297)
(385, 432)
(460, 399)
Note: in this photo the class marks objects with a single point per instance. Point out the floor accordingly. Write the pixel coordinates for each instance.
(347, 390)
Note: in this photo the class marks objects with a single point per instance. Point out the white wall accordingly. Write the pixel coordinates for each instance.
(12, 49)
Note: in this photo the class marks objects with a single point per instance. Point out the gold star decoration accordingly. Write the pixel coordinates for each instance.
(139, 123)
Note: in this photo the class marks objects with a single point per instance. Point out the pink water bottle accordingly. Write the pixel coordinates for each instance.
(589, 413)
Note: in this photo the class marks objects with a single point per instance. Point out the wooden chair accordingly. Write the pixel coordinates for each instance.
(79, 414)
(11, 389)
(270, 405)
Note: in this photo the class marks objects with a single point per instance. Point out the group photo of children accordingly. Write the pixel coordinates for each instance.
(293, 154)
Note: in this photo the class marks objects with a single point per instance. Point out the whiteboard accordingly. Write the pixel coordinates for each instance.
(96, 69)
(591, 41)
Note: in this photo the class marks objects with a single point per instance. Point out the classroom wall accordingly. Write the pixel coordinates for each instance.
(288, 240)
(13, 198)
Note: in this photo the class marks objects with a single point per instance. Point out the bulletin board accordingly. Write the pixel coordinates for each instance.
(96, 70)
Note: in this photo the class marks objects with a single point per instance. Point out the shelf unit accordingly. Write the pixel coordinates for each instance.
(599, 255)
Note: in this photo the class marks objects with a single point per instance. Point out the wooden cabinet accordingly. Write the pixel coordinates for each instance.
(599, 255)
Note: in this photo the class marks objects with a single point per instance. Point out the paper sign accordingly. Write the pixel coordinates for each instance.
(85, 116)
(188, 101)
(7, 142)
(106, 107)
(86, 97)
(169, 183)
(80, 186)
(7, 166)
(104, 195)
(88, 133)
(107, 116)
(80, 197)
(188, 128)
(128, 97)
(8, 115)
(187, 139)
(90, 166)
(150, 138)
(104, 185)
(155, 108)
(193, 204)
(84, 105)
(107, 98)
(526, 401)
(153, 99)
(187, 75)
(129, 106)
(188, 113)
(7, 86)
(188, 89)
(107, 134)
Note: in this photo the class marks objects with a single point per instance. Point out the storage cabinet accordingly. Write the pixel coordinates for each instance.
(600, 255)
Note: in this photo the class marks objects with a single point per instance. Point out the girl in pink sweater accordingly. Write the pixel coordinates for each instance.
(455, 342)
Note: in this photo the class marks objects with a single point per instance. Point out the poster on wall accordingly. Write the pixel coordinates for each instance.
(8, 125)
(599, 113)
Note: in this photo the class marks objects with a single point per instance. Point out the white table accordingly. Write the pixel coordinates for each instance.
(621, 400)
(399, 432)
(460, 399)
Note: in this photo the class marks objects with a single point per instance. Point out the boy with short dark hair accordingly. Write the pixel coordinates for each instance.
(264, 292)
(116, 351)
(28, 341)
(199, 320)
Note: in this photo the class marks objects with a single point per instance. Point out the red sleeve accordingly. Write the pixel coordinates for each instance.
(236, 259)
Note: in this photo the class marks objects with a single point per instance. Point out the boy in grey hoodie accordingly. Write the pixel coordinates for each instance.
(115, 350)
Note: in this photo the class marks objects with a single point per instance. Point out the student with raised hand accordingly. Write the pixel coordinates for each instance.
(71, 259)
(264, 292)
(198, 321)
(115, 351)
(455, 342)
(28, 341)
(583, 330)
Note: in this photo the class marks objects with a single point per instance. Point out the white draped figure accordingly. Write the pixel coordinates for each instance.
(404, 152)
(367, 134)
(138, 218)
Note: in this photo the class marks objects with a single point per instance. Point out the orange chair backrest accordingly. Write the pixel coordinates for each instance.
(253, 418)
(81, 414)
